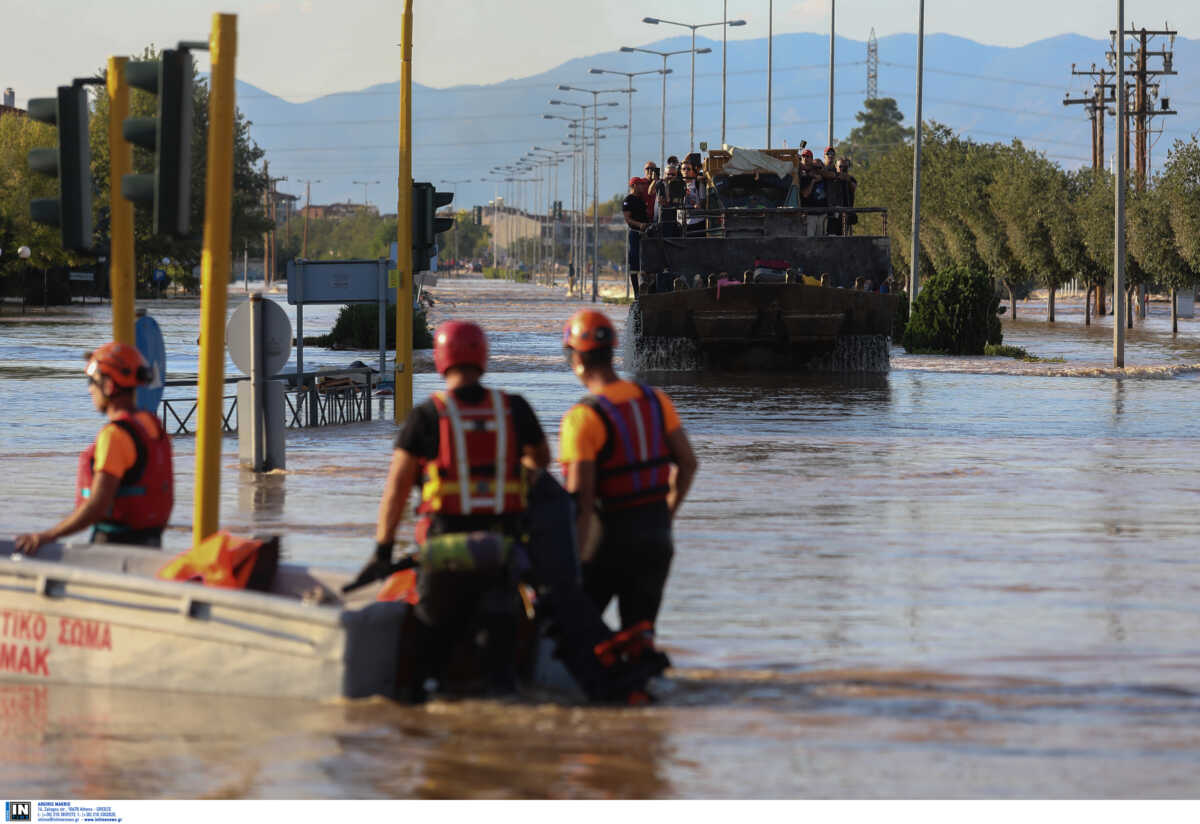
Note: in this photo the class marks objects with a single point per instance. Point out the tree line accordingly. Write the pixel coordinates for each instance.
(1007, 210)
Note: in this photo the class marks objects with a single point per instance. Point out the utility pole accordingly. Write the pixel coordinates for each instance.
(1139, 103)
(872, 66)
(915, 255)
(1135, 112)
(1104, 92)
(307, 209)
(266, 234)
(831, 30)
(271, 264)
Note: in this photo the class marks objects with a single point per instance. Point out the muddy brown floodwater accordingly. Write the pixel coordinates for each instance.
(966, 578)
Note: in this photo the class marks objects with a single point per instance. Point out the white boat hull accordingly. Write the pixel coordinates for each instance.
(97, 616)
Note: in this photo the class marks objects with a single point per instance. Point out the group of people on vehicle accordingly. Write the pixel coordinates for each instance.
(492, 524)
(672, 204)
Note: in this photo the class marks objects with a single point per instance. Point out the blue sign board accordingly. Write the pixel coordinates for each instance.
(160, 277)
(149, 341)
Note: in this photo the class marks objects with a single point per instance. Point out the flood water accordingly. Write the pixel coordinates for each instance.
(970, 577)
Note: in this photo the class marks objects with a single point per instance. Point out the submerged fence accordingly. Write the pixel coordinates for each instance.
(322, 398)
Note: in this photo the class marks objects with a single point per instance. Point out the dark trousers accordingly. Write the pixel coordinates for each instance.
(635, 258)
(455, 607)
(631, 563)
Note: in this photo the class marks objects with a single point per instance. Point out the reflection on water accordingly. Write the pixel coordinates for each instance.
(967, 577)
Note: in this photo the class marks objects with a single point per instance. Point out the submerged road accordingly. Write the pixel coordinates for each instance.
(969, 577)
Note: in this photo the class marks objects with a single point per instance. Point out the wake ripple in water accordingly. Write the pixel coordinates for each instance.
(1008, 366)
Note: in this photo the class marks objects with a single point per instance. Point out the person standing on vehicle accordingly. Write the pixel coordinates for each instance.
(125, 484)
(633, 209)
(470, 447)
(625, 454)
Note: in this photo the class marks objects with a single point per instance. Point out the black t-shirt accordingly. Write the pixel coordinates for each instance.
(420, 437)
(636, 206)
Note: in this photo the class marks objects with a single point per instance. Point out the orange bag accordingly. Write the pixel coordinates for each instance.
(224, 560)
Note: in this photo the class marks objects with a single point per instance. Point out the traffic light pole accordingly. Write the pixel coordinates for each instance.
(402, 397)
(120, 255)
(218, 204)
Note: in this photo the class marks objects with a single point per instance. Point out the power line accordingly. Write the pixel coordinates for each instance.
(515, 87)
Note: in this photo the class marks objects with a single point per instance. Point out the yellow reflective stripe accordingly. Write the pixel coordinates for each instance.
(454, 487)
(501, 447)
(460, 450)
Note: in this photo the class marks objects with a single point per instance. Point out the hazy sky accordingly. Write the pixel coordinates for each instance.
(300, 49)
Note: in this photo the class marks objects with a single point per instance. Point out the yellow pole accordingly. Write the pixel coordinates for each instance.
(120, 255)
(214, 265)
(402, 401)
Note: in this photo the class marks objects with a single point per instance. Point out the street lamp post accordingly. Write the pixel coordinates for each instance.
(578, 147)
(654, 21)
(595, 93)
(454, 188)
(365, 184)
(665, 71)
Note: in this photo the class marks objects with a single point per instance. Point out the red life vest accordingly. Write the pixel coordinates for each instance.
(146, 492)
(478, 466)
(634, 466)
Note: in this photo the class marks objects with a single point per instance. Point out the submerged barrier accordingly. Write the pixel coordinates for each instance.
(320, 398)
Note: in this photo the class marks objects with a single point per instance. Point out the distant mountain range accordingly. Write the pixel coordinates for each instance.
(991, 93)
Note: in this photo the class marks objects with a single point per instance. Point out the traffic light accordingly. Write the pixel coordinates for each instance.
(558, 210)
(426, 224)
(478, 212)
(70, 163)
(169, 136)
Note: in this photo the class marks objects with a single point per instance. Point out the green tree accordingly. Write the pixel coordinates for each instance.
(879, 130)
(1019, 195)
(1180, 187)
(18, 185)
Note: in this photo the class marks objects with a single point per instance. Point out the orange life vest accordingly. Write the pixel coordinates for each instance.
(478, 467)
(634, 466)
(146, 493)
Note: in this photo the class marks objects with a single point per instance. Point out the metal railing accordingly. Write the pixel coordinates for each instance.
(323, 398)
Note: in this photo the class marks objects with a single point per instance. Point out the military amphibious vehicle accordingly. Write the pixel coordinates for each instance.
(757, 283)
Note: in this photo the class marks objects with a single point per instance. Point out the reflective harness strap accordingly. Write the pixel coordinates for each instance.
(460, 452)
(453, 413)
(501, 447)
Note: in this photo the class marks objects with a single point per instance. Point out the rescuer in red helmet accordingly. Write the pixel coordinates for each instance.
(125, 485)
(627, 458)
(471, 449)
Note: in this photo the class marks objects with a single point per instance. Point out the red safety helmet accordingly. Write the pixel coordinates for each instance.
(588, 330)
(121, 362)
(459, 343)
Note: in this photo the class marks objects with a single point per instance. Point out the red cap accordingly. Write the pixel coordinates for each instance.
(633, 181)
(829, 150)
(806, 153)
(459, 343)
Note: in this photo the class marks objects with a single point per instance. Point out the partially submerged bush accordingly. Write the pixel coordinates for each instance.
(954, 314)
(357, 327)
